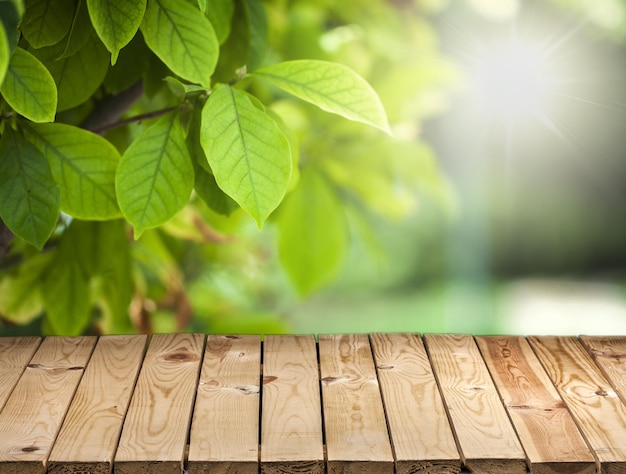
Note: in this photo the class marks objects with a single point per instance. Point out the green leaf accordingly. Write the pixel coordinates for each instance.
(80, 31)
(77, 77)
(116, 21)
(313, 234)
(332, 87)
(29, 88)
(182, 38)
(83, 165)
(20, 293)
(29, 198)
(46, 22)
(65, 287)
(4, 53)
(155, 175)
(131, 63)
(220, 14)
(10, 16)
(206, 187)
(248, 153)
(257, 20)
(235, 50)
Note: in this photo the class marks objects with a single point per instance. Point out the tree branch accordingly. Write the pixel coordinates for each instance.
(137, 118)
(108, 111)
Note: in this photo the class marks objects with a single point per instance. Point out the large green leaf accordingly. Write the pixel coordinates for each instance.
(46, 22)
(78, 76)
(182, 38)
(4, 53)
(29, 198)
(332, 87)
(155, 175)
(83, 165)
(257, 20)
(65, 287)
(248, 153)
(80, 31)
(220, 14)
(29, 88)
(235, 50)
(313, 233)
(116, 21)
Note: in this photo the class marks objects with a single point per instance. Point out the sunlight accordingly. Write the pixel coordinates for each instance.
(513, 80)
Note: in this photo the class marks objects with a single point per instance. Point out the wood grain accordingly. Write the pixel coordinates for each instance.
(486, 438)
(595, 406)
(357, 440)
(15, 353)
(291, 419)
(609, 353)
(225, 428)
(418, 425)
(549, 436)
(88, 439)
(154, 436)
(33, 414)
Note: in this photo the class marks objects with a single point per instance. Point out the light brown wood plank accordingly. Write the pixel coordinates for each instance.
(609, 353)
(418, 425)
(291, 419)
(154, 436)
(486, 438)
(595, 406)
(88, 438)
(548, 434)
(33, 414)
(357, 440)
(225, 427)
(15, 353)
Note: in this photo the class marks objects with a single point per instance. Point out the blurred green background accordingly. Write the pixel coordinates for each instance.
(476, 217)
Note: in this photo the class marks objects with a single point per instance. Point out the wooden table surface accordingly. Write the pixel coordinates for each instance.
(358, 403)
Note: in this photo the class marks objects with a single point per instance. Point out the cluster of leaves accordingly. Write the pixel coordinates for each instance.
(154, 113)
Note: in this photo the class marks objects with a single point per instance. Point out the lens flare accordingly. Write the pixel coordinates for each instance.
(513, 80)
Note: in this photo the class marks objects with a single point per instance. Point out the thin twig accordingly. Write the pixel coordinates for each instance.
(137, 118)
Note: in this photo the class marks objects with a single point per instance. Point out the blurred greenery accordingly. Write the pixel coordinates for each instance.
(425, 231)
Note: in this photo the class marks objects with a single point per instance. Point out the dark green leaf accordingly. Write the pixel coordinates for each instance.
(206, 187)
(155, 175)
(332, 87)
(77, 77)
(116, 21)
(248, 153)
(182, 38)
(131, 63)
(29, 88)
(29, 198)
(80, 31)
(83, 165)
(10, 15)
(313, 234)
(46, 22)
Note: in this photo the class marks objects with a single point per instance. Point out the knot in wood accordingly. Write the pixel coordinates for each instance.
(29, 449)
(181, 356)
(269, 378)
(386, 367)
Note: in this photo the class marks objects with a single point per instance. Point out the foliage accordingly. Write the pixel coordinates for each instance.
(187, 121)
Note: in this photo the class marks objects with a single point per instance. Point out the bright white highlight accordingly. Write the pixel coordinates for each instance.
(513, 80)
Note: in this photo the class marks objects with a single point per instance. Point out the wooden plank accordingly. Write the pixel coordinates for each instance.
(595, 406)
(15, 353)
(291, 419)
(609, 353)
(418, 425)
(35, 410)
(225, 428)
(88, 439)
(486, 438)
(548, 434)
(356, 432)
(154, 436)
